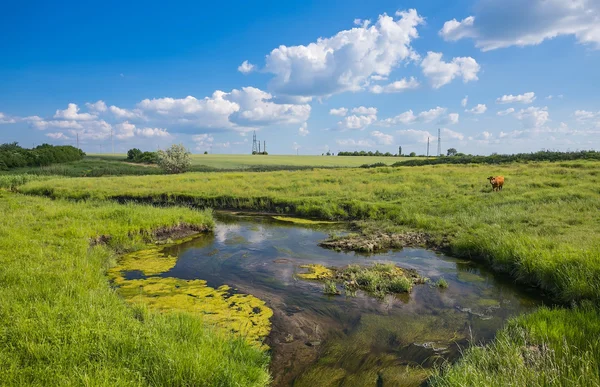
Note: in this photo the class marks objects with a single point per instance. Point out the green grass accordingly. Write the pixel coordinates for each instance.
(61, 324)
(231, 162)
(542, 229)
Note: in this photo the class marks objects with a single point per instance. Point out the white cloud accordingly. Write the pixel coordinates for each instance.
(382, 138)
(42, 124)
(526, 98)
(126, 130)
(451, 134)
(464, 101)
(365, 110)
(533, 117)
(378, 78)
(395, 87)
(122, 114)
(504, 23)
(451, 119)
(583, 115)
(246, 67)
(345, 61)
(203, 141)
(341, 112)
(409, 117)
(441, 73)
(506, 112)
(4, 119)
(355, 122)
(296, 146)
(303, 130)
(58, 136)
(479, 109)
(240, 110)
(72, 113)
(96, 107)
(349, 142)
(412, 136)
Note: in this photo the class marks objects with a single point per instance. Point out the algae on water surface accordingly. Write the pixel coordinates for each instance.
(241, 314)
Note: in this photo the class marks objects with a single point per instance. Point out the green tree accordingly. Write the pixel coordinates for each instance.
(452, 152)
(412, 154)
(133, 154)
(176, 159)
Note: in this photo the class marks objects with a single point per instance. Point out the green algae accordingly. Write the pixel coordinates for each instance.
(316, 272)
(301, 220)
(241, 314)
(378, 280)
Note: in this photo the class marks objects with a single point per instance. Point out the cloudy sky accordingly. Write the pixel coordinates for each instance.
(308, 76)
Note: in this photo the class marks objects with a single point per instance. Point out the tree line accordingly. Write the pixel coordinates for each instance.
(14, 156)
(500, 159)
(371, 153)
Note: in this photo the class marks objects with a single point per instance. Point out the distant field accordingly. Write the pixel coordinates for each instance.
(246, 161)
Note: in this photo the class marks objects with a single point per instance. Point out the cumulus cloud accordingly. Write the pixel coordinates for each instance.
(356, 122)
(533, 117)
(412, 136)
(347, 60)
(126, 130)
(382, 138)
(72, 113)
(58, 136)
(583, 115)
(506, 112)
(96, 107)
(441, 73)
(203, 141)
(464, 101)
(479, 109)
(121, 114)
(504, 23)
(246, 67)
(350, 142)
(240, 110)
(395, 87)
(452, 119)
(409, 117)
(341, 112)
(526, 98)
(4, 119)
(365, 110)
(303, 130)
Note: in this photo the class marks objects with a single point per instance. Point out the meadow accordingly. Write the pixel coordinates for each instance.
(231, 162)
(62, 324)
(542, 230)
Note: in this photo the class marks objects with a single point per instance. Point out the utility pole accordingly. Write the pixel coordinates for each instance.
(427, 146)
(254, 146)
(264, 147)
(439, 142)
(399, 151)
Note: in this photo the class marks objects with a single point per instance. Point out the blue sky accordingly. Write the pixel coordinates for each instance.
(494, 75)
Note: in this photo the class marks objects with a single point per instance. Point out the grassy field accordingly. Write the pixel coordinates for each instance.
(61, 324)
(249, 161)
(542, 229)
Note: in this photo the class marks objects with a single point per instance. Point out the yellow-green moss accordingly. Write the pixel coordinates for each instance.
(242, 314)
(316, 272)
(301, 220)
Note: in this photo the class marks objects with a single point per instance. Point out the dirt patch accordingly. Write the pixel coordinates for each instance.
(160, 235)
(381, 241)
(141, 164)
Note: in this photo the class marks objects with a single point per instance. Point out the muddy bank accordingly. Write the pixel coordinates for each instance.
(160, 235)
(378, 242)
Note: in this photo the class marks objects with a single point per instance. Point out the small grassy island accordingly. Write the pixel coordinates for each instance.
(378, 280)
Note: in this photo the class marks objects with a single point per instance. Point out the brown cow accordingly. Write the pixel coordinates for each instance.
(497, 182)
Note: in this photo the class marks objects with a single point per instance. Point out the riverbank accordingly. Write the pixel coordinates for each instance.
(542, 229)
(61, 322)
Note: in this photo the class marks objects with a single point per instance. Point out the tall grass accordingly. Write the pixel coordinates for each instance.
(61, 323)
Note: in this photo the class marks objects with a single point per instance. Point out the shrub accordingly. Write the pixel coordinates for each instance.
(176, 159)
(133, 154)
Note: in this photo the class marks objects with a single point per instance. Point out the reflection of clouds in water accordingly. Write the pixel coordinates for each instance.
(258, 236)
(222, 230)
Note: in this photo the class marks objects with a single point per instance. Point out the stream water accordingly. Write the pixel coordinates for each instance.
(320, 340)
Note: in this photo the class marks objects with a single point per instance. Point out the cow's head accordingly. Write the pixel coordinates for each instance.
(491, 178)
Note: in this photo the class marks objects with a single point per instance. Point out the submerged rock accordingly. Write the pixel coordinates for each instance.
(377, 242)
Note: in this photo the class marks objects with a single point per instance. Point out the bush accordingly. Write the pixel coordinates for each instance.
(133, 154)
(176, 159)
(14, 156)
